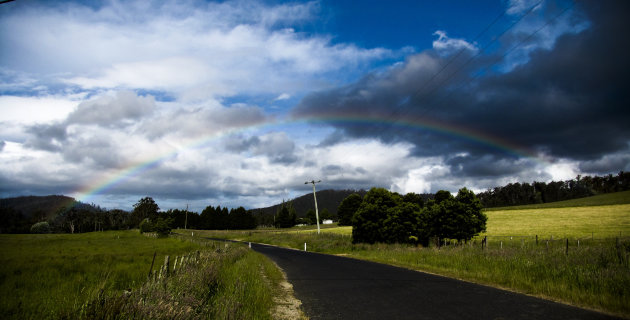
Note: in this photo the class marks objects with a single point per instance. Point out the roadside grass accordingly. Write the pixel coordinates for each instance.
(56, 276)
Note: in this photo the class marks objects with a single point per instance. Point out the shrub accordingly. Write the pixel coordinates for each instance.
(162, 226)
(146, 226)
(40, 227)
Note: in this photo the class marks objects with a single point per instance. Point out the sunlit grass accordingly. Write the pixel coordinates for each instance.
(576, 222)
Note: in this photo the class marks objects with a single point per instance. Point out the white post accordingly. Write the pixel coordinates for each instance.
(250, 245)
(304, 246)
(315, 197)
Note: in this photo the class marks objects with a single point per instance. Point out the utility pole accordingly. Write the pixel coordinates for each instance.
(315, 197)
(186, 221)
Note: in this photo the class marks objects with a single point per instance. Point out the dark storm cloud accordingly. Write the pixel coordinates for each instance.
(477, 166)
(570, 101)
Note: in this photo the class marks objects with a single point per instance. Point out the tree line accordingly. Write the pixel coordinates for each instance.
(388, 217)
(515, 194)
(146, 215)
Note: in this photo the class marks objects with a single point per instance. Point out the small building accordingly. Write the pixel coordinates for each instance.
(327, 221)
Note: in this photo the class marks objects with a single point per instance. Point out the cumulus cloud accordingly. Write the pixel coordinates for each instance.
(121, 109)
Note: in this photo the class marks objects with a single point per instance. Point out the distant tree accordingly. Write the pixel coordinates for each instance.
(311, 217)
(324, 215)
(242, 219)
(347, 209)
(414, 198)
(286, 216)
(143, 209)
(442, 195)
(118, 219)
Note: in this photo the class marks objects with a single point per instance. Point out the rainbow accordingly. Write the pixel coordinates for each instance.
(120, 175)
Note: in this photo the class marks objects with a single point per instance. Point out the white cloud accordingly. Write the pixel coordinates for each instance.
(516, 7)
(446, 45)
(31, 110)
(192, 50)
(283, 96)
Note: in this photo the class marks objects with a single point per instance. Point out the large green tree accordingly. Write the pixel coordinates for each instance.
(348, 208)
(145, 208)
(368, 221)
(457, 217)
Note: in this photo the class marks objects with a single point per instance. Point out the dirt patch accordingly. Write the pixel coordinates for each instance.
(287, 305)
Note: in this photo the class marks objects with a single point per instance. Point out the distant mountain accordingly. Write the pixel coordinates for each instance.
(326, 199)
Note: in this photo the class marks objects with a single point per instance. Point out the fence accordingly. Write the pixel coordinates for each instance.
(179, 263)
(620, 244)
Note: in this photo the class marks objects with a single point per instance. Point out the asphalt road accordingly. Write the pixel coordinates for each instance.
(332, 287)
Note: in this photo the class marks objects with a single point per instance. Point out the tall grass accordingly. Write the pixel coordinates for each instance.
(103, 275)
(230, 283)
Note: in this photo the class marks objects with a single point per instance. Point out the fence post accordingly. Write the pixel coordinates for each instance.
(537, 240)
(152, 262)
(175, 264)
(567, 251)
(167, 261)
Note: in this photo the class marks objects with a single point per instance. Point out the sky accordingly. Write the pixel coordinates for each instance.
(238, 103)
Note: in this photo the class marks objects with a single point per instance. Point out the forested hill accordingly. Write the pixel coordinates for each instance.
(18, 214)
(326, 199)
(41, 207)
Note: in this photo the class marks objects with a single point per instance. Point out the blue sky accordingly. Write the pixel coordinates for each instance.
(239, 102)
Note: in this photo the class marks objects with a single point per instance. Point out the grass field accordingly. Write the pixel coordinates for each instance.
(593, 274)
(572, 222)
(83, 276)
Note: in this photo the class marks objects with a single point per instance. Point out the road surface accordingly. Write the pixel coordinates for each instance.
(332, 287)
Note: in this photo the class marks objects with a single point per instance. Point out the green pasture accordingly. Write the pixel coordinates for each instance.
(568, 222)
(53, 276)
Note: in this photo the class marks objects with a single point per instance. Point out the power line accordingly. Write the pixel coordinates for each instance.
(502, 57)
(394, 116)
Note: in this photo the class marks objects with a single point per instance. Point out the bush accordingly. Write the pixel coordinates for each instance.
(162, 227)
(40, 227)
(146, 226)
